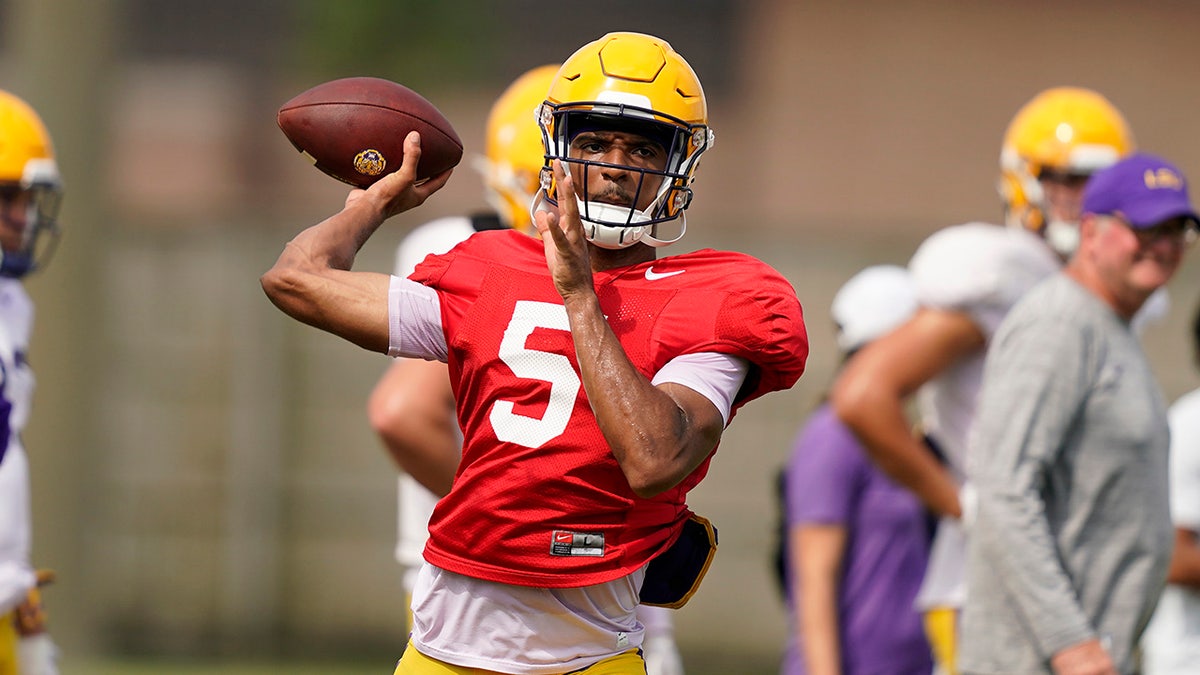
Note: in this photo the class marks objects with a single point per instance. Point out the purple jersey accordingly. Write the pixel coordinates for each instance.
(831, 481)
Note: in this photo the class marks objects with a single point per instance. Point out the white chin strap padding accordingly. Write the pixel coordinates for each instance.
(595, 215)
(607, 236)
(1063, 237)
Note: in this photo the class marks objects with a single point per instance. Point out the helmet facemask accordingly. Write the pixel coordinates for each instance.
(39, 236)
(1028, 205)
(619, 226)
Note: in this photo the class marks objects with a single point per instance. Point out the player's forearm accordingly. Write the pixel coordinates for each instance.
(648, 432)
(334, 242)
(911, 464)
(879, 422)
(311, 283)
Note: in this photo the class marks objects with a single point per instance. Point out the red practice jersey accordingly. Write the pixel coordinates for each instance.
(538, 499)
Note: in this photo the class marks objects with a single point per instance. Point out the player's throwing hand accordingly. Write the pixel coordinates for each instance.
(562, 235)
(398, 192)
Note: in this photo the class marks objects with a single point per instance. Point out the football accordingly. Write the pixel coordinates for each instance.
(354, 128)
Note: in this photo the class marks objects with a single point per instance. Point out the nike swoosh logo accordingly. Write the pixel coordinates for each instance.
(651, 275)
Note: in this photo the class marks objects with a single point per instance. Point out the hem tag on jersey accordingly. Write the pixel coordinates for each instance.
(565, 542)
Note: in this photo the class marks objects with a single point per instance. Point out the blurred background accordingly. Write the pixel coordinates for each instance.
(204, 478)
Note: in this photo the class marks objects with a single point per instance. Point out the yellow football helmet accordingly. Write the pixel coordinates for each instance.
(515, 155)
(1065, 130)
(637, 83)
(27, 172)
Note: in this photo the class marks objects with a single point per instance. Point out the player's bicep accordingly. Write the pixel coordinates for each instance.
(718, 377)
(703, 386)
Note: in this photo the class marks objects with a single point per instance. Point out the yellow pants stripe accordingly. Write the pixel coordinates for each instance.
(8, 644)
(941, 629)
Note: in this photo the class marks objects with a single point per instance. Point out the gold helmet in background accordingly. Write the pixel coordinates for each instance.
(514, 147)
(28, 173)
(1068, 131)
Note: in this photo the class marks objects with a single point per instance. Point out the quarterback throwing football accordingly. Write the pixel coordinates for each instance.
(592, 380)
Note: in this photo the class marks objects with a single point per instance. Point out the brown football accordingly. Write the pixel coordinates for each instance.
(353, 129)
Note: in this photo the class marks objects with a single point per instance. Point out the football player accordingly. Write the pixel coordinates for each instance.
(30, 189)
(592, 379)
(412, 406)
(968, 277)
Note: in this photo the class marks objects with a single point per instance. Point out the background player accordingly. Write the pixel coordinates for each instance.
(412, 406)
(967, 278)
(30, 190)
(593, 381)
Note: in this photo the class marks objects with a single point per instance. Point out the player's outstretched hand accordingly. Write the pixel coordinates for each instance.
(562, 236)
(398, 192)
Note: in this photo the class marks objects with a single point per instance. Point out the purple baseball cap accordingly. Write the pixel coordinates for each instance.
(1143, 188)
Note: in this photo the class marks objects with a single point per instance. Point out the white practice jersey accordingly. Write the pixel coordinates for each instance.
(16, 394)
(415, 501)
(981, 270)
(1172, 640)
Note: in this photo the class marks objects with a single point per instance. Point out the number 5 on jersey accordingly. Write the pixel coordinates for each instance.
(532, 364)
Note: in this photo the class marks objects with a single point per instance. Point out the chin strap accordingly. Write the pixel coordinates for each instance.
(656, 242)
(1062, 236)
(609, 236)
(596, 215)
